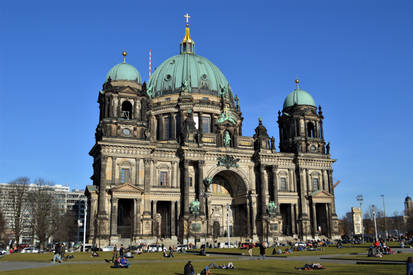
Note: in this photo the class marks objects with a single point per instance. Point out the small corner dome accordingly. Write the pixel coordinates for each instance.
(408, 198)
(124, 71)
(298, 97)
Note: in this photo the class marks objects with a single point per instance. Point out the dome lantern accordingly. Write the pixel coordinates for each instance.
(187, 44)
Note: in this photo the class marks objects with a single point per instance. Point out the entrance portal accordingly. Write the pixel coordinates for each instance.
(228, 196)
(164, 208)
(125, 218)
(322, 225)
(285, 211)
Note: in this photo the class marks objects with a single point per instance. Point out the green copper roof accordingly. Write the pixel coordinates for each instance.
(124, 71)
(196, 73)
(298, 97)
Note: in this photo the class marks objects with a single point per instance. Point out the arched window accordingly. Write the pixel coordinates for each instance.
(126, 110)
(310, 129)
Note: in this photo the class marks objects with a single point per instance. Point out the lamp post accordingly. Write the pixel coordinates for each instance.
(359, 198)
(384, 213)
(228, 233)
(84, 226)
(373, 208)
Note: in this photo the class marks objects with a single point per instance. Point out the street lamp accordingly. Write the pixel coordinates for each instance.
(228, 233)
(373, 210)
(84, 225)
(384, 213)
(359, 198)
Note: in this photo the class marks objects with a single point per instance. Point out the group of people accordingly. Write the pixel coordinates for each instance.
(59, 253)
(119, 261)
(170, 254)
(379, 248)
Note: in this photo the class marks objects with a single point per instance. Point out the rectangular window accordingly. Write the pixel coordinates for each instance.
(315, 185)
(190, 181)
(163, 179)
(283, 184)
(124, 175)
(206, 124)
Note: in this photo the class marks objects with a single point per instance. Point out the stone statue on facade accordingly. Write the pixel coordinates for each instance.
(227, 139)
(272, 209)
(195, 207)
(328, 148)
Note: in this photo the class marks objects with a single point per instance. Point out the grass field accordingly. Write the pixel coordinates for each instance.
(242, 268)
(84, 256)
(324, 251)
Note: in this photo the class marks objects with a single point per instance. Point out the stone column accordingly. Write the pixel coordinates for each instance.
(275, 187)
(114, 171)
(330, 179)
(186, 187)
(321, 126)
(309, 183)
(102, 186)
(314, 221)
(253, 212)
(263, 191)
(154, 209)
(201, 186)
(173, 217)
(147, 187)
(293, 220)
(136, 171)
(173, 126)
(136, 220)
(325, 181)
(172, 174)
(161, 128)
(114, 220)
(249, 218)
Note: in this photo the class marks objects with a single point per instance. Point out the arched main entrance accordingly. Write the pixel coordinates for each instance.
(228, 197)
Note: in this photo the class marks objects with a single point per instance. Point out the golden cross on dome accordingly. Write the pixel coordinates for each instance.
(187, 17)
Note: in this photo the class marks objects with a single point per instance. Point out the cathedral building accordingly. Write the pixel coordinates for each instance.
(170, 161)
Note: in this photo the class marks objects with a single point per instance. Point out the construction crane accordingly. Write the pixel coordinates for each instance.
(335, 184)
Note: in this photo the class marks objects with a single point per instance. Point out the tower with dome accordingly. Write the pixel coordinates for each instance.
(170, 161)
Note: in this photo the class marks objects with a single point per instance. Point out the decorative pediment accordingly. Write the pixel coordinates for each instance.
(321, 194)
(127, 188)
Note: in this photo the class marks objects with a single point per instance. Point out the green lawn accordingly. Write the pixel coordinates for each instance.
(242, 268)
(84, 256)
(324, 251)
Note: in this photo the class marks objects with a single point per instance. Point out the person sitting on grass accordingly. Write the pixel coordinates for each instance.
(124, 262)
(171, 252)
(205, 271)
(189, 269)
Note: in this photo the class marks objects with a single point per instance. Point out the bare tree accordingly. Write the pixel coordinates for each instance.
(18, 205)
(67, 227)
(2, 226)
(44, 211)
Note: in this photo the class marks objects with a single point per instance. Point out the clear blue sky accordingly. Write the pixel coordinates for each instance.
(354, 57)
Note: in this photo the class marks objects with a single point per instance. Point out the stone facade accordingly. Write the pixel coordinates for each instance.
(176, 166)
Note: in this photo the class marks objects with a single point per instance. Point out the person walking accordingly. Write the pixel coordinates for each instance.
(262, 250)
(409, 266)
(56, 256)
(62, 252)
(114, 253)
(121, 251)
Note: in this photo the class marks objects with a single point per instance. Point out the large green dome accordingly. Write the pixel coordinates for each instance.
(124, 71)
(298, 97)
(202, 76)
